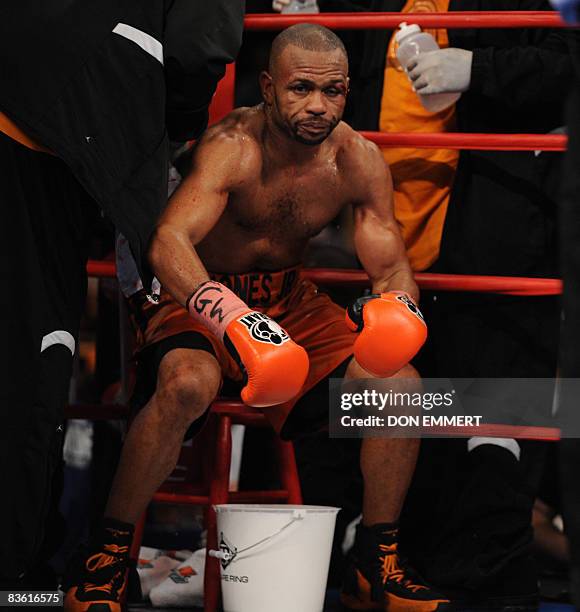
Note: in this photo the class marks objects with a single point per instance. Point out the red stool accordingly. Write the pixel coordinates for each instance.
(215, 443)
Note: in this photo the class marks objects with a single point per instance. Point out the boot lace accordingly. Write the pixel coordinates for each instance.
(111, 555)
(391, 570)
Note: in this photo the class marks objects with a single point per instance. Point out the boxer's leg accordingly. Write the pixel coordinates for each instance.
(188, 379)
(187, 382)
(387, 464)
(376, 579)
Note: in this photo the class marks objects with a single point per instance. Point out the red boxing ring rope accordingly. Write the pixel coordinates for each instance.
(459, 140)
(496, 430)
(390, 21)
(507, 285)
(101, 269)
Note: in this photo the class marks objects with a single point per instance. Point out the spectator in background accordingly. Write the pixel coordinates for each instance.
(83, 123)
(473, 212)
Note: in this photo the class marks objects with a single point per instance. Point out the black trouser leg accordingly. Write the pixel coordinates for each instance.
(45, 218)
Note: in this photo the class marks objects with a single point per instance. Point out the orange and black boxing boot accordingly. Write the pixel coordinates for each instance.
(98, 577)
(376, 579)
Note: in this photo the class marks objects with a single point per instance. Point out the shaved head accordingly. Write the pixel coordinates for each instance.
(305, 88)
(307, 36)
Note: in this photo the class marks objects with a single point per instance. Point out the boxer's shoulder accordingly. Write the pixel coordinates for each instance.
(354, 149)
(357, 158)
(232, 142)
(238, 129)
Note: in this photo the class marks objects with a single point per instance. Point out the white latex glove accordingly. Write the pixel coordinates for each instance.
(279, 5)
(441, 71)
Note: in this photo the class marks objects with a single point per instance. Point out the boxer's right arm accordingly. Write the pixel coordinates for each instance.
(218, 164)
(275, 367)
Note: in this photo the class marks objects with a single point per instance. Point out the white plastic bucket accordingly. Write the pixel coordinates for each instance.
(274, 557)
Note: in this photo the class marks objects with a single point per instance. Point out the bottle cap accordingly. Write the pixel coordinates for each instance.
(405, 30)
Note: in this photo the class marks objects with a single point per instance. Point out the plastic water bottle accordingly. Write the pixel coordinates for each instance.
(301, 6)
(412, 41)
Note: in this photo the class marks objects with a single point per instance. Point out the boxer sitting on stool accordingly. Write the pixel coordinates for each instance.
(228, 248)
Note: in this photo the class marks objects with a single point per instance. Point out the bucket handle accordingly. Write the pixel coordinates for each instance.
(297, 515)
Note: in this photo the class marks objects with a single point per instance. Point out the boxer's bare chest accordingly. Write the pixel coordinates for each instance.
(272, 214)
(289, 204)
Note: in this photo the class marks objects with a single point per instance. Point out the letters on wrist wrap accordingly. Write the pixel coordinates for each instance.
(214, 305)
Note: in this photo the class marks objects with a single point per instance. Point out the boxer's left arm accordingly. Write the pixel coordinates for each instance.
(377, 237)
(391, 326)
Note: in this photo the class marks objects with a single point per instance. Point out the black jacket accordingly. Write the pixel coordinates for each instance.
(104, 103)
(501, 217)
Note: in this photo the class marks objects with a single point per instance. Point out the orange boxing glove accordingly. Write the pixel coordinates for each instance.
(392, 331)
(274, 366)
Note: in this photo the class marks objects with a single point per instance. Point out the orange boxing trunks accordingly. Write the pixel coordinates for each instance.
(311, 318)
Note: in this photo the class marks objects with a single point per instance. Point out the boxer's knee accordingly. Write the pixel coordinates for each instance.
(356, 371)
(407, 371)
(187, 383)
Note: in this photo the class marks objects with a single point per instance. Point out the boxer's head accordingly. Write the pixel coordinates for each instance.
(307, 81)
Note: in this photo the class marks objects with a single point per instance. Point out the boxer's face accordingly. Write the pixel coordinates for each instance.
(307, 92)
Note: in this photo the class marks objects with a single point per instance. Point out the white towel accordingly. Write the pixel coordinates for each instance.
(184, 585)
(155, 565)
